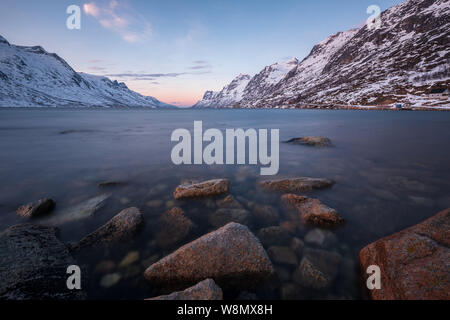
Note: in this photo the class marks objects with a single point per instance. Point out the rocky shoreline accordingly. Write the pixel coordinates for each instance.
(249, 248)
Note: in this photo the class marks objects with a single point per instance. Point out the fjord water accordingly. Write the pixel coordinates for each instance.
(392, 170)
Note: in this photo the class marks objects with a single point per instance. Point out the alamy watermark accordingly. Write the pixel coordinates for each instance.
(374, 21)
(235, 147)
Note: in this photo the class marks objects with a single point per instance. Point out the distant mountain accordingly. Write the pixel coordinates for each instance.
(228, 96)
(30, 77)
(402, 61)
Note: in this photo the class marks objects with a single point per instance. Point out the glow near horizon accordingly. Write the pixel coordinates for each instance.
(176, 50)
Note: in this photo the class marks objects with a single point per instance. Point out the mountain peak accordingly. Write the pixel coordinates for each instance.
(3, 40)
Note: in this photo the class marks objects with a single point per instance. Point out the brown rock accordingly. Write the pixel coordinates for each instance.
(202, 189)
(414, 263)
(296, 184)
(231, 255)
(37, 208)
(122, 226)
(174, 227)
(229, 202)
(205, 290)
(315, 141)
(312, 210)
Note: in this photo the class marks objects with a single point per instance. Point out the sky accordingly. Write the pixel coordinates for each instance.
(175, 50)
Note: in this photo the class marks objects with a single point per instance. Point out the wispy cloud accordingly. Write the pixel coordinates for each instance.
(152, 76)
(120, 18)
(200, 65)
(146, 75)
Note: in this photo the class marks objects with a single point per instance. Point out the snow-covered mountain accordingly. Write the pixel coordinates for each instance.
(399, 62)
(228, 96)
(30, 77)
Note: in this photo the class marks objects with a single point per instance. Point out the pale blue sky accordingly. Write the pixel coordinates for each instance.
(173, 49)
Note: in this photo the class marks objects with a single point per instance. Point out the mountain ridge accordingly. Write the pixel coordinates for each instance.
(32, 77)
(398, 63)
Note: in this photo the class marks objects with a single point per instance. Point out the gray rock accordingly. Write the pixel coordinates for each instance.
(122, 226)
(231, 255)
(78, 212)
(33, 264)
(205, 290)
(37, 208)
(321, 238)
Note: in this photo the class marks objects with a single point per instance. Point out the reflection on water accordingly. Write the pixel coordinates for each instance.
(391, 171)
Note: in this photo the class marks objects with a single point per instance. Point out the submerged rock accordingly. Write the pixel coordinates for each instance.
(303, 184)
(414, 263)
(283, 255)
(318, 269)
(110, 280)
(274, 235)
(223, 216)
(265, 215)
(229, 202)
(231, 255)
(129, 259)
(80, 211)
(312, 210)
(122, 226)
(33, 264)
(105, 184)
(321, 238)
(37, 208)
(202, 189)
(205, 290)
(174, 227)
(315, 141)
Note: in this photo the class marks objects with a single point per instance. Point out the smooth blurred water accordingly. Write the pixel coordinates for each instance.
(392, 170)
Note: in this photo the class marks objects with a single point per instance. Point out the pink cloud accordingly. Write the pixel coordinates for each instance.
(120, 18)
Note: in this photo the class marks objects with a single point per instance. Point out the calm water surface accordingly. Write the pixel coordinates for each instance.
(392, 170)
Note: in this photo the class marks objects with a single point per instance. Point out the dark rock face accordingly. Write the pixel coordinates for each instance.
(414, 263)
(313, 141)
(35, 209)
(174, 226)
(312, 210)
(231, 255)
(202, 189)
(296, 184)
(33, 264)
(205, 290)
(122, 226)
